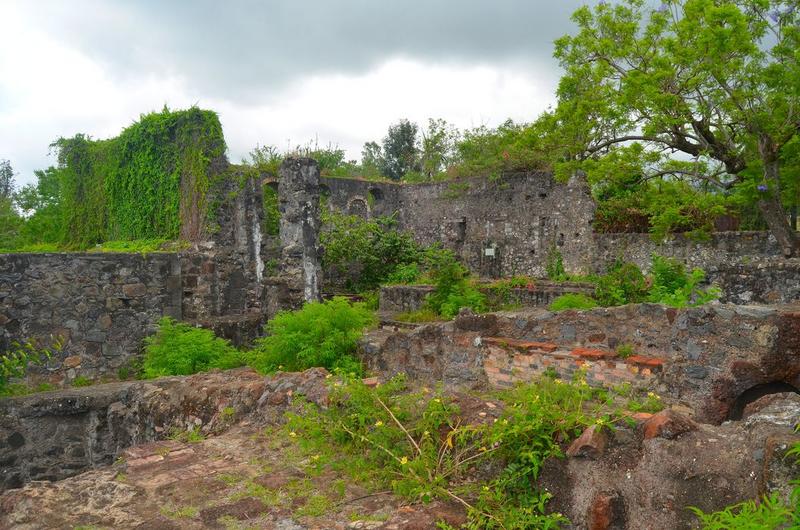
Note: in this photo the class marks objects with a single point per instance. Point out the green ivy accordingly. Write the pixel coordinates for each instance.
(150, 182)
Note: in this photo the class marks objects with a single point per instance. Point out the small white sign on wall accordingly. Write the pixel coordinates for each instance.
(489, 252)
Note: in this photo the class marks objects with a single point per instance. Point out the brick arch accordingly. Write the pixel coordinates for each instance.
(359, 206)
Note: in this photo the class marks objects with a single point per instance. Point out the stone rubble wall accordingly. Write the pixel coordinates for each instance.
(54, 435)
(507, 226)
(704, 357)
(403, 298)
(100, 306)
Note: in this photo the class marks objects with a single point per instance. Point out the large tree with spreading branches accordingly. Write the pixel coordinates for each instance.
(702, 90)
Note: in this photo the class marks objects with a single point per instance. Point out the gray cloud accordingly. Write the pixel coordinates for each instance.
(243, 48)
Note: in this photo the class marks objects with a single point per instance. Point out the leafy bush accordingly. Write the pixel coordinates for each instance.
(404, 274)
(453, 289)
(180, 349)
(320, 334)
(623, 284)
(673, 286)
(367, 252)
(572, 301)
(14, 362)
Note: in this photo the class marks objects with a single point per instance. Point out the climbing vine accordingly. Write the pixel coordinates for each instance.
(149, 182)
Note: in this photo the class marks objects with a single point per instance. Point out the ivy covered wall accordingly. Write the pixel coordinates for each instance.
(150, 182)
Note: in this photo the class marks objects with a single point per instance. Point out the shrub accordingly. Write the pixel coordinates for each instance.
(572, 301)
(320, 334)
(180, 349)
(404, 274)
(673, 286)
(453, 290)
(367, 252)
(623, 284)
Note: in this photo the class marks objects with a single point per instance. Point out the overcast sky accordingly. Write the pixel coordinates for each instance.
(282, 72)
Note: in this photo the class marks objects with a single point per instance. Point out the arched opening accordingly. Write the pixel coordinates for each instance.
(358, 207)
(757, 392)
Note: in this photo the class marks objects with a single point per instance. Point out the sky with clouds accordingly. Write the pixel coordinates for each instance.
(281, 72)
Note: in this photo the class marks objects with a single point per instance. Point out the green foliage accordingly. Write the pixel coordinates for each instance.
(272, 215)
(418, 316)
(673, 286)
(150, 182)
(770, 513)
(623, 284)
(404, 274)
(572, 301)
(180, 349)
(320, 334)
(715, 82)
(625, 350)
(82, 381)
(555, 265)
(10, 223)
(452, 287)
(414, 443)
(15, 361)
(369, 251)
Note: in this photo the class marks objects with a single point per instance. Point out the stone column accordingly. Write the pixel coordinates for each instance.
(298, 193)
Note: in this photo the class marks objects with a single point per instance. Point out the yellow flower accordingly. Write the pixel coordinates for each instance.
(315, 458)
(378, 423)
(483, 449)
(404, 460)
(292, 434)
(328, 376)
(426, 433)
(650, 394)
(437, 400)
(505, 422)
(558, 381)
(486, 488)
(584, 383)
(600, 421)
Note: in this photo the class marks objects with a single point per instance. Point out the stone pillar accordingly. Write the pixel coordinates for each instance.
(298, 193)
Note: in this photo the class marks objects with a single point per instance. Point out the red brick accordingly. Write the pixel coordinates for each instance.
(592, 353)
(651, 362)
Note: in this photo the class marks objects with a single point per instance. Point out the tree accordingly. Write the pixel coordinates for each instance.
(438, 147)
(702, 90)
(6, 179)
(400, 153)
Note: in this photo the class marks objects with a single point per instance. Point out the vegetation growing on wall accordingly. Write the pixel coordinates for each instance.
(150, 182)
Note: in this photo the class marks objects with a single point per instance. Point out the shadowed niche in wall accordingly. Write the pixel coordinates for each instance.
(754, 393)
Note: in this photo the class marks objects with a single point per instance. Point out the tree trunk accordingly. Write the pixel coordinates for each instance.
(770, 202)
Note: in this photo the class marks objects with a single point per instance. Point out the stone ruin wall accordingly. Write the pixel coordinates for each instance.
(498, 227)
(705, 357)
(507, 226)
(103, 304)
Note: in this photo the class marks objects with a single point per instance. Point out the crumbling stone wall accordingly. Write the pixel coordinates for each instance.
(507, 226)
(53, 435)
(401, 298)
(499, 227)
(705, 357)
(100, 305)
(299, 266)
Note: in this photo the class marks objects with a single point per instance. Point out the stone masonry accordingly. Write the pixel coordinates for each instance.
(99, 306)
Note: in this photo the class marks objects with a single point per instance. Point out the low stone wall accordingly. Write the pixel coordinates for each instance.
(705, 357)
(759, 282)
(54, 435)
(722, 249)
(99, 305)
(402, 298)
